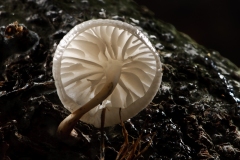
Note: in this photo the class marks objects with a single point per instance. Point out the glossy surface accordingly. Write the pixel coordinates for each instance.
(195, 114)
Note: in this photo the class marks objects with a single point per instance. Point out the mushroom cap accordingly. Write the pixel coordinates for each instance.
(88, 51)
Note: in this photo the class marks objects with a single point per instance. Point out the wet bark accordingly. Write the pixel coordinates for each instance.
(195, 114)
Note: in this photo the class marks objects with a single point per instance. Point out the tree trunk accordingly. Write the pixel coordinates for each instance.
(195, 114)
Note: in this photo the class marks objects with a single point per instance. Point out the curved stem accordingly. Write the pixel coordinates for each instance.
(112, 78)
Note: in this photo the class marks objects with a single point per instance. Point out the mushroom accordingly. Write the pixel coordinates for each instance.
(104, 65)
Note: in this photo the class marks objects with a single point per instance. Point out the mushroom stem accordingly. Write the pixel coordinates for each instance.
(112, 78)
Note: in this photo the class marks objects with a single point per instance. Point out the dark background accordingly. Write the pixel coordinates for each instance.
(214, 24)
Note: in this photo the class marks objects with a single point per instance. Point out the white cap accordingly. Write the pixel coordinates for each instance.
(85, 55)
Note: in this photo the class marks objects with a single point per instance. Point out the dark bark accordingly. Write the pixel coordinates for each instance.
(195, 115)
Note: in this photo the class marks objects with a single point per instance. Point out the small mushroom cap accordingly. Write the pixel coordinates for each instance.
(86, 54)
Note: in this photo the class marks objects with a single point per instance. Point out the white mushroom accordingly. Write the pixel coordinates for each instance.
(105, 64)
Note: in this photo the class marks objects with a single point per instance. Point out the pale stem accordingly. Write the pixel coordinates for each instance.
(112, 78)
